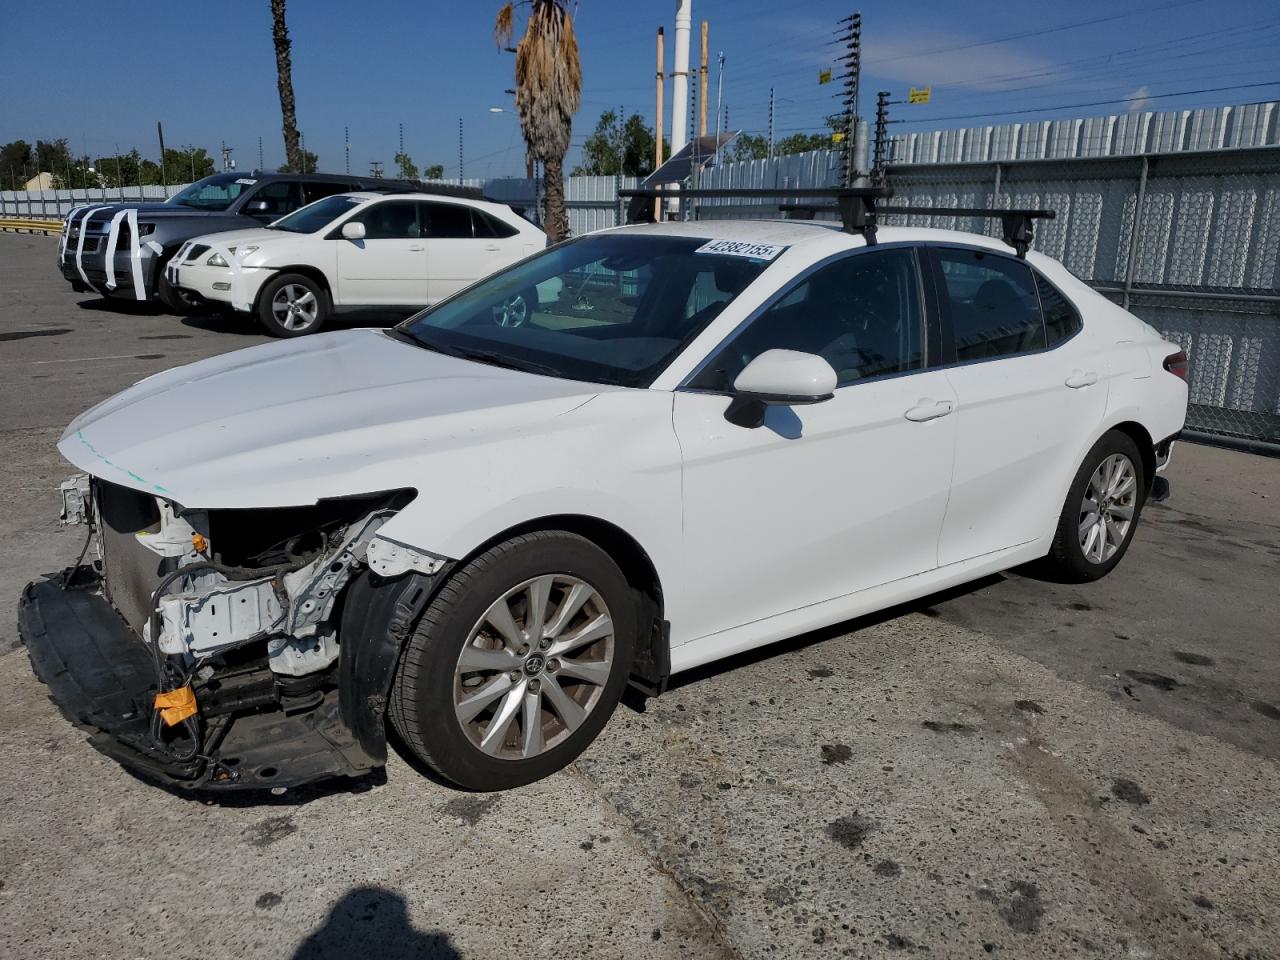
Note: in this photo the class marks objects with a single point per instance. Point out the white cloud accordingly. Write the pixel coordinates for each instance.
(1139, 98)
(988, 67)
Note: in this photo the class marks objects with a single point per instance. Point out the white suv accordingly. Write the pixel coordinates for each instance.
(355, 251)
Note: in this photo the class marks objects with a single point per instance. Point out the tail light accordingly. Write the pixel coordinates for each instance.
(1176, 363)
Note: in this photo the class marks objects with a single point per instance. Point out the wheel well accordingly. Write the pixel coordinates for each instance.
(311, 273)
(1146, 446)
(652, 662)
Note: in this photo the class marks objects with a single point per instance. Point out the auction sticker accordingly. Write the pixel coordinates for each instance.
(741, 248)
(246, 180)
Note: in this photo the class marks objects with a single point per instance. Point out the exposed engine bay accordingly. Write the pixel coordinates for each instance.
(239, 615)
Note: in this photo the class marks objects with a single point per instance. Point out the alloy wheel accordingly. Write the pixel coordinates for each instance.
(534, 666)
(295, 307)
(1107, 510)
(513, 312)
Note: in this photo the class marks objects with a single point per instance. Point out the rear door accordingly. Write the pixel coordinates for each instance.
(389, 266)
(455, 256)
(1029, 394)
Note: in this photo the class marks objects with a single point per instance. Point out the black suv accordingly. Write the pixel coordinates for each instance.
(224, 201)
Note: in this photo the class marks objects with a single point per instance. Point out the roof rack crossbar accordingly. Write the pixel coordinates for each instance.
(857, 205)
(1016, 225)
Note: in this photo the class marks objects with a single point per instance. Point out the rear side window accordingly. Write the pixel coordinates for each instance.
(1061, 322)
(992, 303)
(491, 228)
(446, 221)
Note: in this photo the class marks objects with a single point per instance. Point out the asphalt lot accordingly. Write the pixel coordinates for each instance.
(1015, 769)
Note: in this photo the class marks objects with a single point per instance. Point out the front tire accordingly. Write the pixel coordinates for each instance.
(517, 663)
(172, 298)
(292, 305)
(1101, 512)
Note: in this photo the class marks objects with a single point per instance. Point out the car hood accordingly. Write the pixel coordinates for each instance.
(154, 210)
(243, 238)
(289, 423)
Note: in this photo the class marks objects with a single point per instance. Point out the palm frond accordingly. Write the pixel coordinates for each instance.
(505, 25)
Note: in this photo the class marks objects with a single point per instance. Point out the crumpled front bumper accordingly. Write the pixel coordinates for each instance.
(102, 678)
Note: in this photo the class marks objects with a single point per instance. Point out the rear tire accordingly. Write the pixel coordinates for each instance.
(292, 305)
(545, 698)
(1101, 512)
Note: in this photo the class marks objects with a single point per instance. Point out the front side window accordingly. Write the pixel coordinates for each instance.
(390, 220)
(861, 314)
(316, 216)
(992, 303)
(608, 308)
(446, 221)
(213, 193)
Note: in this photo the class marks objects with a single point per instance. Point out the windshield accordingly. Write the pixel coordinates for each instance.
(610, 308)
(316, 216)
(213, 193)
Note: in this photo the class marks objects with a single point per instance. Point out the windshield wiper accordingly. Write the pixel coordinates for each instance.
(510, 363)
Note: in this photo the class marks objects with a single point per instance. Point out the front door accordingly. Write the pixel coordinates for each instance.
(389, 266)
(827, 499)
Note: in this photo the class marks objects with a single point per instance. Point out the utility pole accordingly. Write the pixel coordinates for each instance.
(226, 156)
(719, 97)
(771, 123)
(302, 148)
(702, 98)
(680, 77)
(261, 165)
(375, 168)
(617, 177)
(346, 139)
(164, 180)
(882, 130)
(657, 147)
(459, 151)
(852, 76)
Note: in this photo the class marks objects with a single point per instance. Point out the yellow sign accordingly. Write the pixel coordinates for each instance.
(919, 96)
(837, 136)
(824, 76)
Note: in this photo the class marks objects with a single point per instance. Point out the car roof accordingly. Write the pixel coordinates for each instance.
(825, 234)
(478, 202)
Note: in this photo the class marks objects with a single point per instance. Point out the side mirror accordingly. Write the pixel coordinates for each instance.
(258, 206)
(353, 230)
(779, 377)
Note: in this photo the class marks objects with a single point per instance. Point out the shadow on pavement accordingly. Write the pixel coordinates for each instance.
(373, 922)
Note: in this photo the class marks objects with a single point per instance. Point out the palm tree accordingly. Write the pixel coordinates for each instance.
(548, 92)
(284, 80)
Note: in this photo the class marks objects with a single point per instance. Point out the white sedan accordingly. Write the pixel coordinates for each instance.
(355, 251)
(705, 438)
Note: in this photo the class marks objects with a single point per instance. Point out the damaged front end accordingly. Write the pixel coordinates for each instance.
(228, 648)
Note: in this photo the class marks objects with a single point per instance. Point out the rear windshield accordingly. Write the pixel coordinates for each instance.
(610, 308)
(316, 216)
(213, 193)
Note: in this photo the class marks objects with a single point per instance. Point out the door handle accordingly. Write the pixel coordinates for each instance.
(1080, 378)
(416, 248)
(492, 247)
(928, 409)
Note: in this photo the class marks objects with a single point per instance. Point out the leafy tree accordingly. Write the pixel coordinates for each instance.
(548, 94)
(306, 163)
(433, 172)
(294, 159)
(187, 164)
(408, 170)
(16, 164)
(600, 154)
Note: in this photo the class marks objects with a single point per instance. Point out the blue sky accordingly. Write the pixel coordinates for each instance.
(103, 73)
